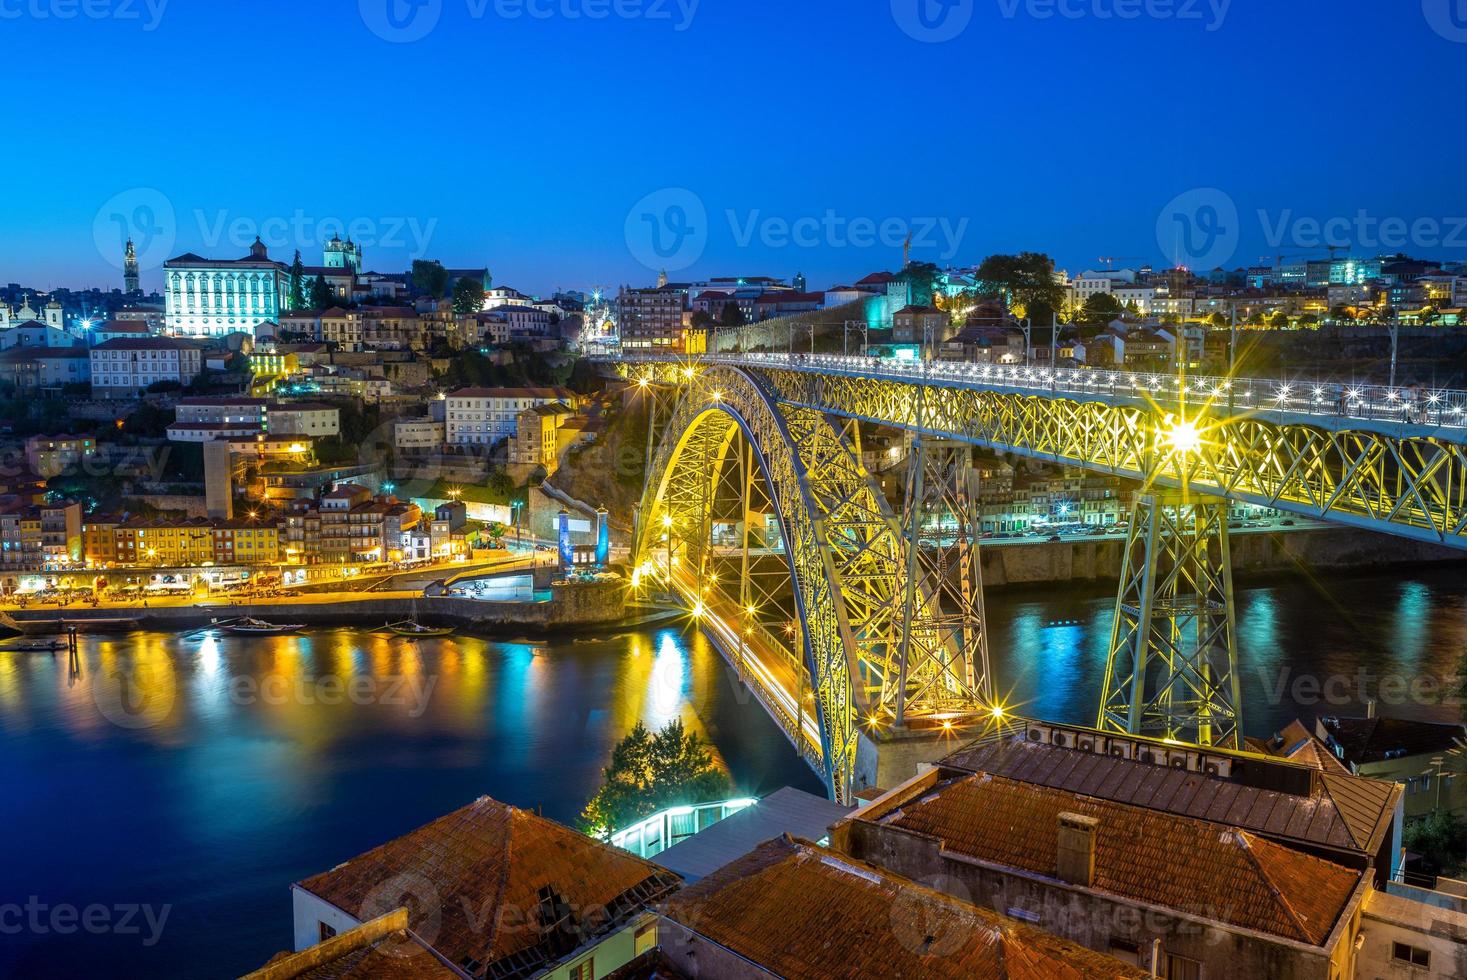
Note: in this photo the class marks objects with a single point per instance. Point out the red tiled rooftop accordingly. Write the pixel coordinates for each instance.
(490, 858)
(1186, 864)
(801, 911)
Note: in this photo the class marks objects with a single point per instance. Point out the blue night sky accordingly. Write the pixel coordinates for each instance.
(566, 151)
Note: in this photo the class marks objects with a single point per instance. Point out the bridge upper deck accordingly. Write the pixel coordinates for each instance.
(1401, 411)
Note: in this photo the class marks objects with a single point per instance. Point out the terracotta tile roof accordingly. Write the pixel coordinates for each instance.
(1315, 817)
(512, 393)
(1295, 743)
(497, 890)
(799, 910)
(1183, 863)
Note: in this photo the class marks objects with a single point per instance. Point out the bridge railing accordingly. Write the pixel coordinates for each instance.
(1407, 405)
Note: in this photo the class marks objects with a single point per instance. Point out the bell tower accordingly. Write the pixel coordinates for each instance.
(130, 268)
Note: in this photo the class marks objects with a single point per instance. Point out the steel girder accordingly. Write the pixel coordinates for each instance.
(844, 548)
(1172, 670)
(1407, 485)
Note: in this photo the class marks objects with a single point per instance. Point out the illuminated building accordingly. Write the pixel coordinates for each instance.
(652, 318)
(50, 316)
(130, 268)
(51, 455)
(483, 416)
(213, 297)
(128, 366)
(34, 537)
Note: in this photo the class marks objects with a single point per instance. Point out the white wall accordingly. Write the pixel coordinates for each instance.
(308, 914)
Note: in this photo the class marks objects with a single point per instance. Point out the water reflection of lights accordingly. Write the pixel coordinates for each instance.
(667, 682)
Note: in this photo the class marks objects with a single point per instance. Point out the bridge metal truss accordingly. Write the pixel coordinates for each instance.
(1172, 671)
(1407, 483)
(844, 548)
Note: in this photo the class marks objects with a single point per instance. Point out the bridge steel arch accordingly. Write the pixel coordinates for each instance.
(842, 543)
(1409, 483)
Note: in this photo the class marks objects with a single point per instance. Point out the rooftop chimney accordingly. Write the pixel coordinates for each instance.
(1075, 854)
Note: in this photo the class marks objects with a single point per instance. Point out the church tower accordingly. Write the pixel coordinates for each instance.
(662, 279)
(130, 269)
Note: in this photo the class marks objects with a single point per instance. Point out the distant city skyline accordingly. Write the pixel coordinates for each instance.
(617, 148)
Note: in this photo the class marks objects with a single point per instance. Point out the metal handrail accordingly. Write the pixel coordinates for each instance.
(1405, 405)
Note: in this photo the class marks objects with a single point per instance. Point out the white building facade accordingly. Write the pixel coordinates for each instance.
(127, 367)
(483, 416)
(212, 297)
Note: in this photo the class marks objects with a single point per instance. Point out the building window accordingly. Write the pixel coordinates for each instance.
(326, 932)
(1403, 953)
(1181, 968)
(585, 970)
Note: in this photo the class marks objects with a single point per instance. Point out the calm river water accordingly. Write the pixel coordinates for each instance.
(195, 777)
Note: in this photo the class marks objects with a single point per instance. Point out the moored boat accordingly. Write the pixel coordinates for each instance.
(250, 626)
(411, 627)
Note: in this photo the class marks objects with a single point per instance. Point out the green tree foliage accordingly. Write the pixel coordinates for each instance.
(430, 278)
(733, 315)
(1025, 279)
(1101, 308)
(321, 295)
(297, 283)
(1440, 839)
(468, 295)
(651, 772)
(923, 277)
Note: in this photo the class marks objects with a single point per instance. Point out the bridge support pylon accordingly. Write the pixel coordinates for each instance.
(1172, 670)
(942, 646)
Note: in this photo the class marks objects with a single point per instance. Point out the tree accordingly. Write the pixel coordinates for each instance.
(321, 295)
(430, 278)
(1441, 840)
(297, 283)
(1100, 308)
(1023, 279)
(924, 279)
(468, 295)
(732, 316)
(651, 772)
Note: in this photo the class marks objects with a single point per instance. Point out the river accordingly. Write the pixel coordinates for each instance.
(195, 777)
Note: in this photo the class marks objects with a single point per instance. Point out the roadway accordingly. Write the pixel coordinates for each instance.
(766, 665)
(1332, 404)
